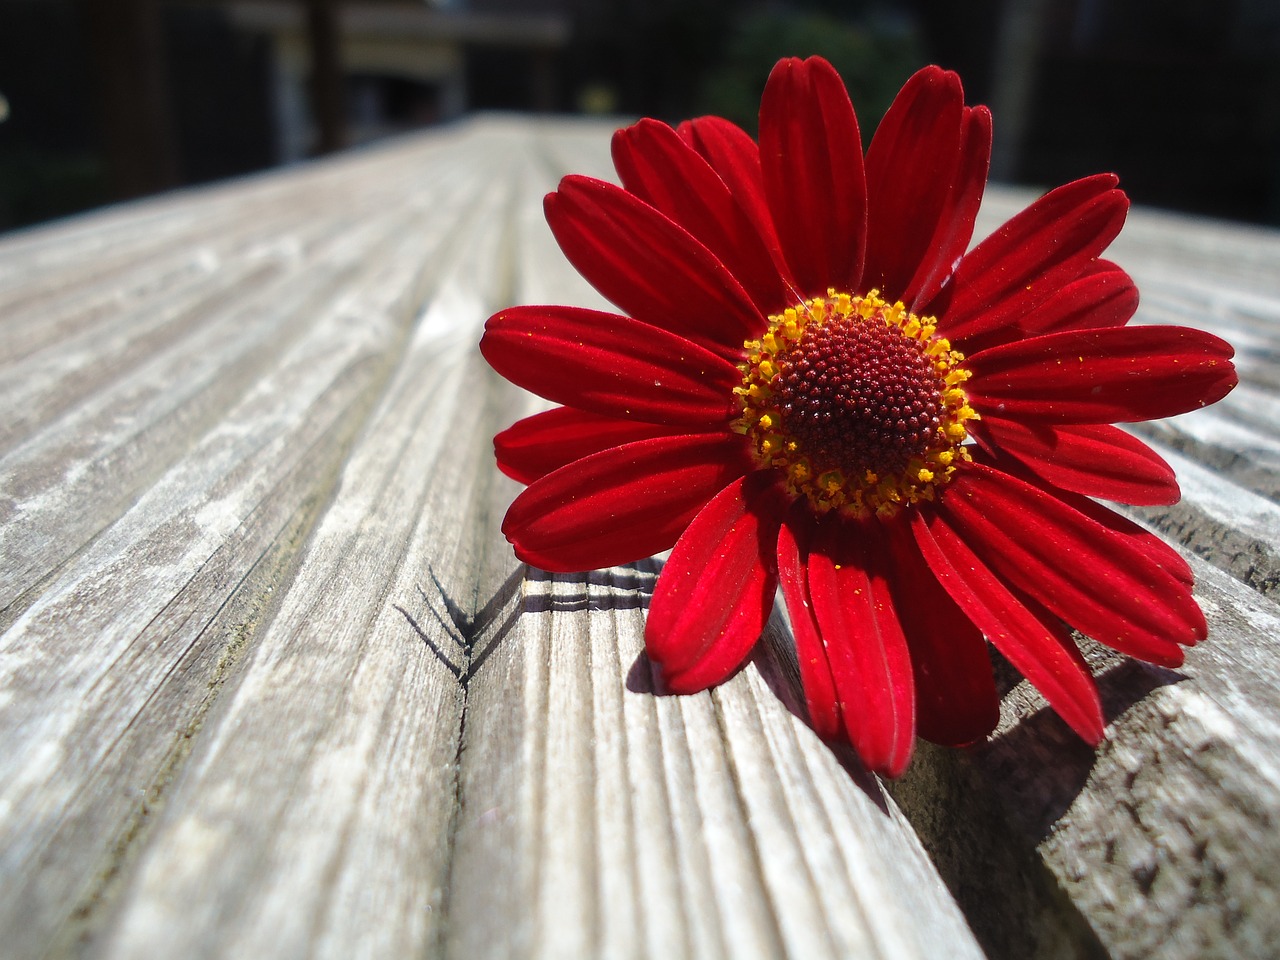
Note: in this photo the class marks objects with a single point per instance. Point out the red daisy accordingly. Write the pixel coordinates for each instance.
(813, 384)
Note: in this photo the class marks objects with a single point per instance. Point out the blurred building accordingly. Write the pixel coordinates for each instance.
(1180, 97)
(109, 99)
(403, 65)
(106, 99)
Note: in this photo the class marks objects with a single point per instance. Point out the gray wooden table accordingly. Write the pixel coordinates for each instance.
(272, 684)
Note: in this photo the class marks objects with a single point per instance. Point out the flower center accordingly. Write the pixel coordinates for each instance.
(857, 402)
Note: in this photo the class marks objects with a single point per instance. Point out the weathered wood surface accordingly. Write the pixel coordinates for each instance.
(273, 685)
(1163, 842)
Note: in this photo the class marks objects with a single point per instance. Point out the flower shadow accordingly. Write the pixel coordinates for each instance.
(983, 812)
(474, 636)
(625, 587)
(1040, 764)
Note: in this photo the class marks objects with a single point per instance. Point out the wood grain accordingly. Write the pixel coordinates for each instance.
(1160, 843)
(273, 684)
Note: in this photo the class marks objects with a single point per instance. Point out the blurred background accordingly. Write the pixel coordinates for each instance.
(103, 100)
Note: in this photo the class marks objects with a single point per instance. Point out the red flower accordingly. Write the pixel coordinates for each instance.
(814, 384)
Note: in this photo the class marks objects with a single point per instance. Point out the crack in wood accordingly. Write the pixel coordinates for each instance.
(478, 635)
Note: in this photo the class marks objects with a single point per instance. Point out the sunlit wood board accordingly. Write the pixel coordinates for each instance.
(274, 685)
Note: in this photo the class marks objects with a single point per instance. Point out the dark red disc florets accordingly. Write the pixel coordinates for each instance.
(857, 401)
(859, 393)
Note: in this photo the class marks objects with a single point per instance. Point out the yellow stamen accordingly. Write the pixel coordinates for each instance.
(851, 488)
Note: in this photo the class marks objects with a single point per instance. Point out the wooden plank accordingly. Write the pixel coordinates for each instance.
(109, 434)
(275, 685)
(1231, 527)
(99, 280)
(344, 729)
(1160, 843)
(72, 480)
(599, 820)
(714, 825)
(119, 651)
(1235, 439)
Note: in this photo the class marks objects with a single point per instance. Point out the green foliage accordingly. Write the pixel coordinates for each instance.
(873, 57)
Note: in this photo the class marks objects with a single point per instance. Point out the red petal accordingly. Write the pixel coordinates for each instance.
(1159, 552)
(956, 698)
(811, 155)
(716, 591)
(1140, 538)
(610, 364)
(1098, 460)
(911, 165)
(1117, 374)
(533, 447)
(1037, 647)
(955, 225)
(849, 588)
(811, 649)
(661, 169)
(736, 158)
(649, 266)
(1028, 259)
(1100, 583)
(623, 503)
(1104, 296)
